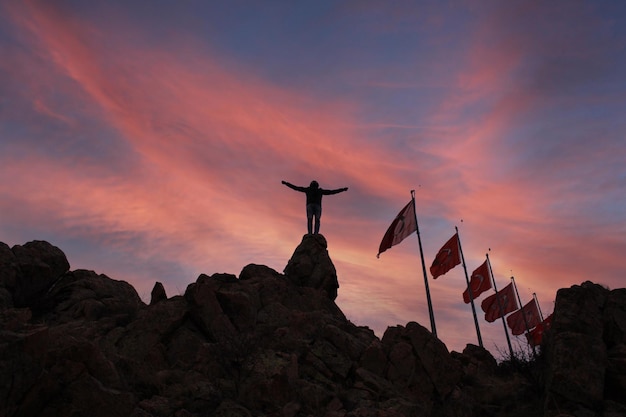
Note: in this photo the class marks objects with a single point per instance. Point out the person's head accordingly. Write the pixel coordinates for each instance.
(314, 184)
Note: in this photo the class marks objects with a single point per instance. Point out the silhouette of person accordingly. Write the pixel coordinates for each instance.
(314, 202)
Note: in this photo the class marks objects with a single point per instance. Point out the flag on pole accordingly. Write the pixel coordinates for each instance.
(524, 319)
(447, 258)
(535, 336)
(403, 225)
(504, 299)
(479, 282)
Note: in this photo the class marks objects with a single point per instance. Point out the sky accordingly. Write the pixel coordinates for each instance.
(148, 140)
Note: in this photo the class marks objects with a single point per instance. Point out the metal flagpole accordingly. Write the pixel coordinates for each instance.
(538, 307)
(480, 339)
(419, 241)
(506, 331)
(523, 312)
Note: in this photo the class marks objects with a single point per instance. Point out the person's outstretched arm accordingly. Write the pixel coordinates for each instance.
(295, 187)
(337, 191)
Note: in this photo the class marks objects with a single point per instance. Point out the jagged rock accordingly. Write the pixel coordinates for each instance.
(22, 361)
(206, 309)
(420, 361)
(58, 371)
(477, 360)
(8, 276)
(39, 265)
(577, 353)
(616, 374)
(6, 299)
(310, 266)
(146, 336)
(434, 356)
(158, 293)
(269, 344)
(86, 294)
(9, 269)
(374, 358)
(257, 271)
(614, 317)
(614, 336)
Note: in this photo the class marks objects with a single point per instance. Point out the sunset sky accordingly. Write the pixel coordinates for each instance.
(148, 141)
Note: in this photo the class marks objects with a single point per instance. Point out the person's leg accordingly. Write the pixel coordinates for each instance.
(318, 214)
(309, 217)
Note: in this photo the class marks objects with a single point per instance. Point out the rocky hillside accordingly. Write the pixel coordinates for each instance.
(76, 343)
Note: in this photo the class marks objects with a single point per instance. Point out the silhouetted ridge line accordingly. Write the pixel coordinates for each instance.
(276, 344)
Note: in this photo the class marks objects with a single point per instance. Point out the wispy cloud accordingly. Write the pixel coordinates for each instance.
(505, 119)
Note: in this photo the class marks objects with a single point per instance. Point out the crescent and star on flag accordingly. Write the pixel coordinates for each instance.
(444, 257)
(479, 280)
(399, 224)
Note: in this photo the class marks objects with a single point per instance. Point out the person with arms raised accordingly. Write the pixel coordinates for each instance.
(314, 202)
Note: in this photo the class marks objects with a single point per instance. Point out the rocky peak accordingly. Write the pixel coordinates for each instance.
(310, 266)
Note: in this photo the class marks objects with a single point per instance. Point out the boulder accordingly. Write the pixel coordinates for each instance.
(614, 317)
(374, 358)
(22, 363)
(616, 374)
(9, 268)
(206, 309)
(478, 359)
(83, 294)
(420, 364)
(577, 354)
(158, 293)
(311, 266)
(6, 299)
(39, 265)
(443, 371)
(254, 271)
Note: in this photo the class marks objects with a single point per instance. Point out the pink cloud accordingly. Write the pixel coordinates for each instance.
(194, 122)
(210, 145)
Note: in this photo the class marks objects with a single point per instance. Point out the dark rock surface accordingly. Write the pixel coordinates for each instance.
(76, 343)
(585, 375)
(310, 266)
(158, 293)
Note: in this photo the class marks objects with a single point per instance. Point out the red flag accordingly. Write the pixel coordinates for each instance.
(403, 225)
(518, 324)
(447, 258)
(535, 336)
(507, 302)
(479, 282)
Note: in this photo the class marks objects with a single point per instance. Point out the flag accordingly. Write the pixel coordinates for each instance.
(479, 282)
(535, 336)
(447, 258)
(524, 319)
(403, 225)
(507, 302)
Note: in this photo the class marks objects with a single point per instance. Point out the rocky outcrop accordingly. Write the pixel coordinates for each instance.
(28, 271)
(586, 372)
(310, 266)
(270, 344)
(158, 293)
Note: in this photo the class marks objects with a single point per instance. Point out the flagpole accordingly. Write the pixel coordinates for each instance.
(506, 331)
(523, 311)
(538, 307)
(419, 241)
(480, 339)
